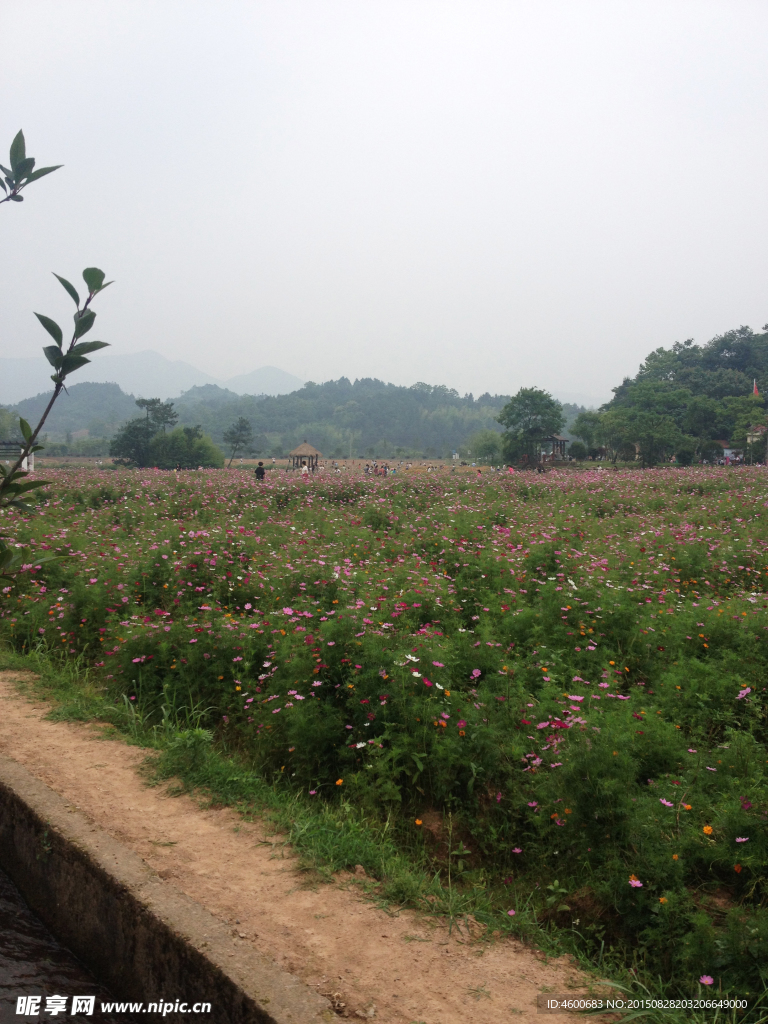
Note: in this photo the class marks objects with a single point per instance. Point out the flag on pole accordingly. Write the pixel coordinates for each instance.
(754, 388)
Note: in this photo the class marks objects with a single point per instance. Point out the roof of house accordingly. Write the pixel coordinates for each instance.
(305, 449)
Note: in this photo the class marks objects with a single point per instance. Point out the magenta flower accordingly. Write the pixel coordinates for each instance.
(461, 723)
(706, 979)
(533, 803)
(438, 664)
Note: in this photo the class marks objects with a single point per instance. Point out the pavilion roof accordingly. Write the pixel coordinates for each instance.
(305, 449)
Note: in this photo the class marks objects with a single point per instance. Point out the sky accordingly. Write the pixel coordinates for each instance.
(488, 195)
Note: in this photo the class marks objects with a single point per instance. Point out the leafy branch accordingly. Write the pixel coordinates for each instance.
(21, 172)
(14, 487)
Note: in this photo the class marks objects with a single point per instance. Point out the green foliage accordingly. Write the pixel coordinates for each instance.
(529, 417)
(131, 445)
(239, 437)
(21, 172)
(349, 418)
(185, 447)
(577, 450)
(566, 676)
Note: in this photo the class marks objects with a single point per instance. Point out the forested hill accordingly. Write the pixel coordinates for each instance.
(366, 414)
(724, 367)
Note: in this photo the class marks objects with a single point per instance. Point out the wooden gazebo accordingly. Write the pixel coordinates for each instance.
(304, 453)
(556, 444)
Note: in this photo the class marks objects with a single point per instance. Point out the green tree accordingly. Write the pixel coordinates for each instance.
(656, 435)
(577, 450)
(614, 432)
(586, 426)
(239, 437)
(187, 447)
(484, 446)
(131, 445)
(529, 417)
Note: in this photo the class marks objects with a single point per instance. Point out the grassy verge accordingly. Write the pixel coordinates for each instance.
(401, 872)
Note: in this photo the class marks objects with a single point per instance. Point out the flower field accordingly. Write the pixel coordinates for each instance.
(555, 685)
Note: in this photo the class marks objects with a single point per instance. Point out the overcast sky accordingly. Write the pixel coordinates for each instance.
(483, 194)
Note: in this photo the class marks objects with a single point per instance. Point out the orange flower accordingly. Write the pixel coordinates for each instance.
(568, 810)
(708, 830)
(611, 662)
(418, 821)
(461, 732)
(663, 899)
(674, 856)
(737, 868)
(687, 807)
(339, 782)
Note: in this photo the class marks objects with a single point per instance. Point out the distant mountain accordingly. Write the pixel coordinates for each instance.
(268, 380)
(145, 374)
(97, 408)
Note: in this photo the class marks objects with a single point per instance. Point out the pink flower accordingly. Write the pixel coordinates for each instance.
(636, 883)
(691, 750)
(706, 979)
(740, 696)
(498, 801)
(287, 611)
(572, 696)
(475, 673)
(667, 803)
(438, 664)
(743, 839)
(533, 803)
(461, 723)
(511, 913)
(517, 850)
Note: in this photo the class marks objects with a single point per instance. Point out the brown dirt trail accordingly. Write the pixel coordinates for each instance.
(405, 966)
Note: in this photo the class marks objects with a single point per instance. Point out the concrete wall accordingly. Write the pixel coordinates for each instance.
(142, 938)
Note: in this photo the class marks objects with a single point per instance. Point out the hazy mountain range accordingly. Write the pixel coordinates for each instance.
(144, 374)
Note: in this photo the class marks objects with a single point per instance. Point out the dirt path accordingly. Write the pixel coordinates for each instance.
(410, 970)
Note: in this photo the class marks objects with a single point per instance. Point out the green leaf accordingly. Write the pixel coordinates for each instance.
(3, 186)
(41, 172)
(53, 355)
(6, 171)
(71, 363)
(16, 199)
(52, 327)
(88, 346)
(84, 322)
(24, 168)
(69, 289)
(31, 485)
(25, 428)
(94, 278)
(18, 150)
